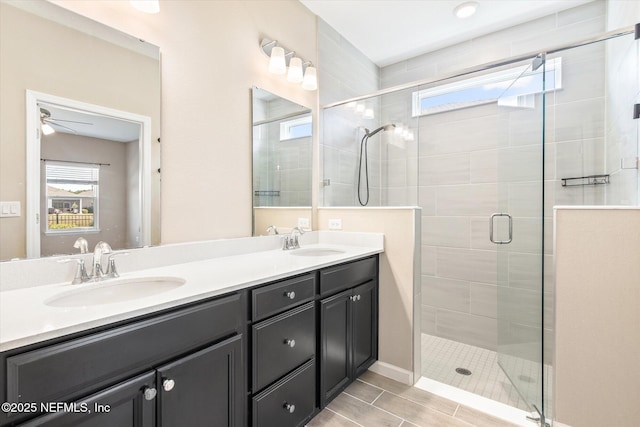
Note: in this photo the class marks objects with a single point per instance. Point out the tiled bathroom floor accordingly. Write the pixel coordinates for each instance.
(441, 357)
(374, 400)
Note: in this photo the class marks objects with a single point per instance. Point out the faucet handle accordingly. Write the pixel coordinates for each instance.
(82, 244)
(81, 272)
(111, 266)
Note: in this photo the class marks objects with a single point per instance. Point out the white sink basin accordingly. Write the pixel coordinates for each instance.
(113, 291)
(316, 252)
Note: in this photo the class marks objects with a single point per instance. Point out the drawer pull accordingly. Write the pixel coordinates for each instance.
(289, 407)
(290, 343)
(290, 294)
(168, 385)
(150, 393)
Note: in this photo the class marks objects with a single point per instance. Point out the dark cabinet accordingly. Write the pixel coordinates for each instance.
(128, 404)
(348, 336)
(283, 380)
(269, 356)
(203, 388)
(181, 367)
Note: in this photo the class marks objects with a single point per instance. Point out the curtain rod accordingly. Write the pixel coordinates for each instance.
(72, 161)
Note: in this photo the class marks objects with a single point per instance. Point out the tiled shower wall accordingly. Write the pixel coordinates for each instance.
(457, 160)
(343, 73)
(282, 166)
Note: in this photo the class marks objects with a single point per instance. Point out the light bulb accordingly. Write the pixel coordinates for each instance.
(310, 80)
(47, 129)
(277, 64)
(146, 6)
(295, 70)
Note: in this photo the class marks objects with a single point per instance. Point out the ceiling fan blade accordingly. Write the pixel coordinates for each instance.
(69, 121)
(60, 126)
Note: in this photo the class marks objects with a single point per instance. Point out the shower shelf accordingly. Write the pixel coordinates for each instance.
(267, 193)
(585, 180)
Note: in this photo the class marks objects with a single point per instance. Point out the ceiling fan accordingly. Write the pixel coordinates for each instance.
(47, 121)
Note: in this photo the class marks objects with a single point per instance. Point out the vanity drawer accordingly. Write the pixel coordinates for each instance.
(282, 343)
(75, 368)
(288, 403)
(278, 297)
(335, 279)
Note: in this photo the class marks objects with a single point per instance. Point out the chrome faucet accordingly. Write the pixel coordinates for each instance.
(272, 228)
(82, 244)
(291, 241)
(102, 248)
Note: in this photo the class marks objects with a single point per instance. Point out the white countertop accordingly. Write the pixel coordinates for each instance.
(25, 318)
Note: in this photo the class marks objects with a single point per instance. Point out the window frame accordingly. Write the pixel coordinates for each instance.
(50, 199)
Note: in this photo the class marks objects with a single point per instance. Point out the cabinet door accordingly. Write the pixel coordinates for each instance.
(204, 388)
(335, 333)
(123, 405)
(365, 327)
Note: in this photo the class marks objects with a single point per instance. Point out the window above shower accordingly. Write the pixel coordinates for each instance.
(512, 87)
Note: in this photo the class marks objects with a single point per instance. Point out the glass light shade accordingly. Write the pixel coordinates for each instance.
(310, 81)
(47, 129)
(295, 70)
(360, 108)
(277, 64)
(368, 113)
(146, 6)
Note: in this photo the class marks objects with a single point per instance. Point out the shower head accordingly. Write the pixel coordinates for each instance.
(387, 127)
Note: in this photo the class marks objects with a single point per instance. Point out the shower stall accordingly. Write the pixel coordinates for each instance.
(486, 154)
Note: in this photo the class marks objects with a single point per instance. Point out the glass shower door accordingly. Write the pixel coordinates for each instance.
(517, 230)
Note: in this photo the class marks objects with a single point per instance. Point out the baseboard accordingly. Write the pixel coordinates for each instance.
(391, 371)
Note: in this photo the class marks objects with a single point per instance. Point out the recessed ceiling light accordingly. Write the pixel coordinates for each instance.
(465, 10)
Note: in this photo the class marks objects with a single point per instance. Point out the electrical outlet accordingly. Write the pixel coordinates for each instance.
(304, 223)
(335, 224)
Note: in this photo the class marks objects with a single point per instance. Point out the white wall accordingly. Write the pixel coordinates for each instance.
(211, 58)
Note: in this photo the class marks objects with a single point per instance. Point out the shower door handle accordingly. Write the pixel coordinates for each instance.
(501, 242)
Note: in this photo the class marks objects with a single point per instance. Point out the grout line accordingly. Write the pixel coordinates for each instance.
(377, 397)
(456, 411)
(340, 415)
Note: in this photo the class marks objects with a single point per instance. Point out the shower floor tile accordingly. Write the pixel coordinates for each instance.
(441, 357)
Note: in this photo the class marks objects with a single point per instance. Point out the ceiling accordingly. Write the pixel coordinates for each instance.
(389, 31)
(64, 120)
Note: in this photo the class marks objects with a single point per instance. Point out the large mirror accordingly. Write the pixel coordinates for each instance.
(282, 161)
(79, 141)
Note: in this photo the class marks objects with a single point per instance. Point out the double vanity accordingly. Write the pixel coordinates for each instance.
(263, 338)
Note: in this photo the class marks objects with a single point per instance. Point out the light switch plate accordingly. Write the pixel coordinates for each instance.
(335, 224)
(9, 209)
(304, 223)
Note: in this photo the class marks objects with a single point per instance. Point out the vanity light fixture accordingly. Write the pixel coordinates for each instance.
(285, 61)
(295, 73)
(146, 6)
(465, 10)
(277, 63)
(310, 80)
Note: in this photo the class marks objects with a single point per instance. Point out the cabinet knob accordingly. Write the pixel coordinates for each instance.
(290, 295)
(289, 407)
(290, 343)
(168, 385)
(358, 297)
(150, 393)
